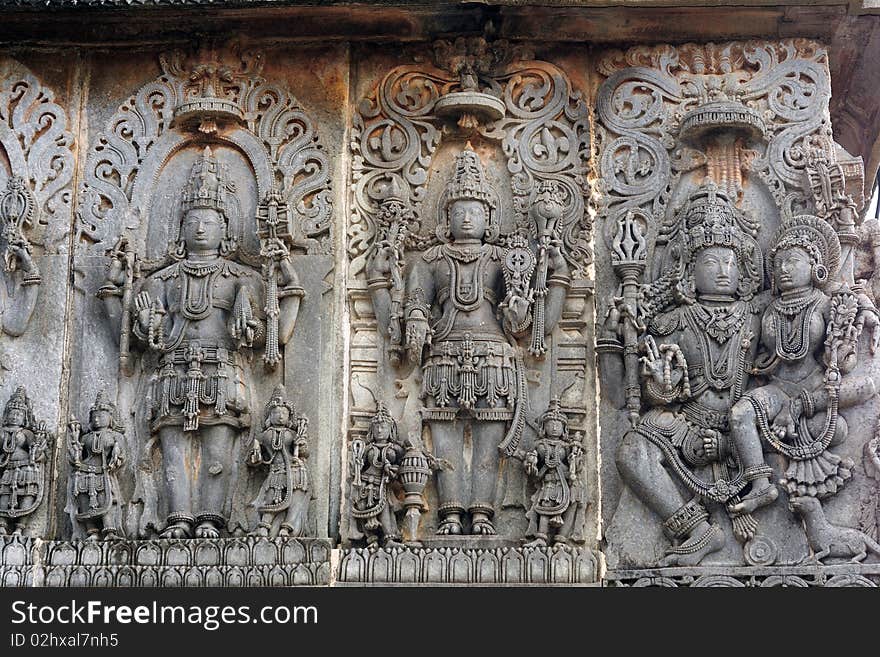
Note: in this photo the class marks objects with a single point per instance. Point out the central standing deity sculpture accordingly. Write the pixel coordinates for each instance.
(460, 316)
(201, 316)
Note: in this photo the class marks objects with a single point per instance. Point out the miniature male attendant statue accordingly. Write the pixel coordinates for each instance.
(96, 458)
(24, 452)
(459, 320)
(282, 445)
(200, 315)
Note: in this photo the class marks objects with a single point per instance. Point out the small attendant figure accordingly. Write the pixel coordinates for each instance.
(282, 445)
(375, 465)
(96, 458)
(24, 447)
(558, 503)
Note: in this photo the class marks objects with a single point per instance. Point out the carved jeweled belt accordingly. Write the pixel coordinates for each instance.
(705, 417)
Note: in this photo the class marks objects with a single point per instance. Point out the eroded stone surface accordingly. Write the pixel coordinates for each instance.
(415, 265)
(744, 337)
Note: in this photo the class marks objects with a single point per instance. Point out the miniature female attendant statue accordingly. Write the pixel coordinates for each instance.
(283, 446)
(96, 458)
(375, 466)
(810, 339)
(24, 448)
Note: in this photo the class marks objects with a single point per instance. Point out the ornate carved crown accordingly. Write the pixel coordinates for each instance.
(469, 181)
(208, 184)
(710, 219)
(554, 412)
(19, 400)
(382, 416)
(278, 399)
(103, 403)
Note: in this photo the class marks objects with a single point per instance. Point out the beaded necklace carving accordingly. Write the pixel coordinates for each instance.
(198, 287)
(791, 317)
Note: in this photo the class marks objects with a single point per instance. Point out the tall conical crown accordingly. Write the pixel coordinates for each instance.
(103, 402)
(382, 414)
(19, 400)
(711, 220)
(469, 180)
(277, 398)
(207, 185)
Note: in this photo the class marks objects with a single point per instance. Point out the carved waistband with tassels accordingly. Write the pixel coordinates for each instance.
(197, 384)
(460, 375)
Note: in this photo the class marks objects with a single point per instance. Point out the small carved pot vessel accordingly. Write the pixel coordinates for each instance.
(414, 473)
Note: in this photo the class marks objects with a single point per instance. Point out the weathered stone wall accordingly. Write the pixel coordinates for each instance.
(518, 402)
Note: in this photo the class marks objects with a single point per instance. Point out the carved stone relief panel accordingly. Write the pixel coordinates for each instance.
(36, 174)
(742, 328)
(205, 264)
(469, 280)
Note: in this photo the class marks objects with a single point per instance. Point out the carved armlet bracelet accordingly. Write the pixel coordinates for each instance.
(523, 325)
(609, 345)
(559, 280)
(378, 283)
(292, 291)
(32, 278)
(108, 290)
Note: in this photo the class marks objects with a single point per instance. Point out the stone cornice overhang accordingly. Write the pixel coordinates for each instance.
(850, 28)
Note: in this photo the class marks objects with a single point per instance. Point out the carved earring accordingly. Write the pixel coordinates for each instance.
(820, 273)
(227, 246)
(179, 251)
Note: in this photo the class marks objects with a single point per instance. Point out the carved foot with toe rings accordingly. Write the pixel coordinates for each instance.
(178, 525)
(483, 527)
(450, 527)
(695, 548)
(207, 529)
(755, 500)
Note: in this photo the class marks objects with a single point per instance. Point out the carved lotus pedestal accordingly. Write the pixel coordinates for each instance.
(197, 562)
(472, 561)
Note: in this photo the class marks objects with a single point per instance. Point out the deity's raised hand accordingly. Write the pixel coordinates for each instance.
(380, 264)
(872, 323)
(652, 362)
(143, 304)
(20, 258)
(555, 260)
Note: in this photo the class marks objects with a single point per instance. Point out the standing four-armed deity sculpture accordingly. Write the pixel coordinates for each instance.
(196, 317)
(463, 308)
